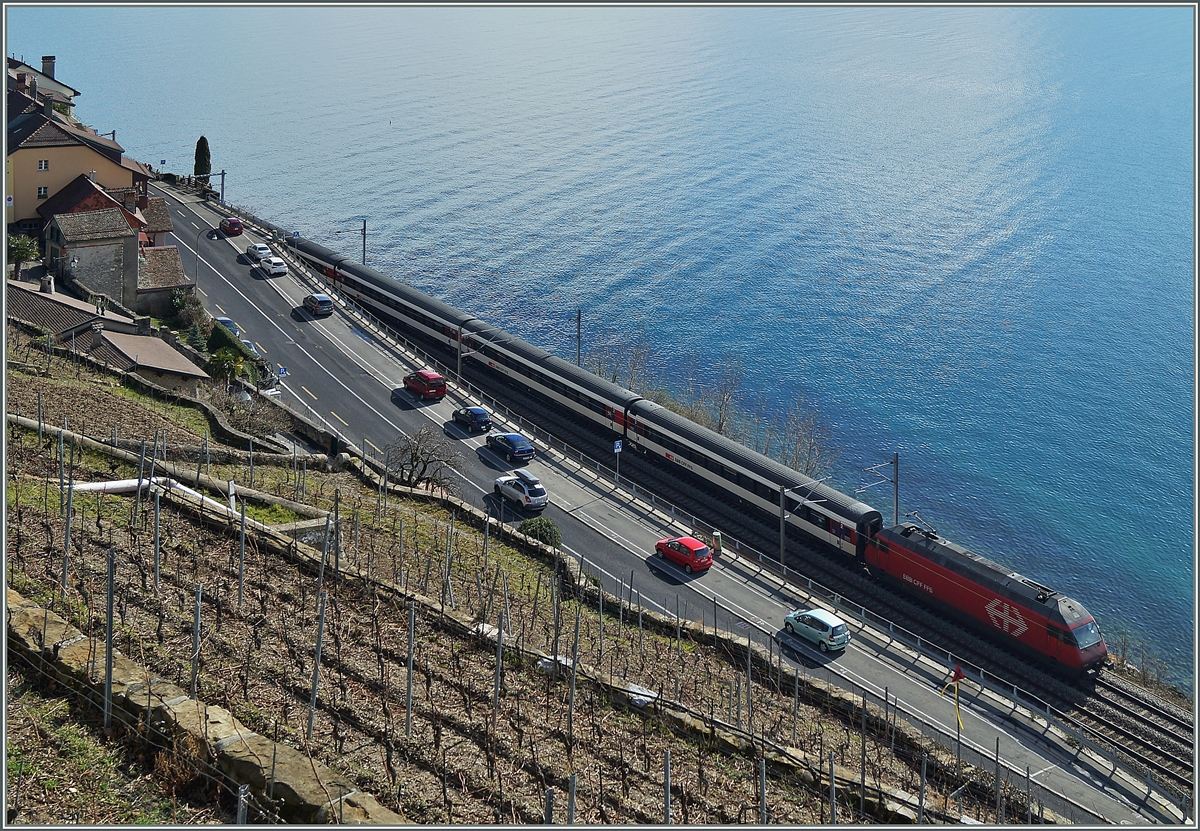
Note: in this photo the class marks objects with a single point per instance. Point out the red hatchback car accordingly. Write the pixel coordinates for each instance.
(688, 552)
(231, 226)
(425, 383)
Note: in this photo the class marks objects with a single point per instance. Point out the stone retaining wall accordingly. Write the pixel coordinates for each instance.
(305, 790)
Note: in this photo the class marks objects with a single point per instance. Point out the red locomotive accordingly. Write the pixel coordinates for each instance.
(1038, 618)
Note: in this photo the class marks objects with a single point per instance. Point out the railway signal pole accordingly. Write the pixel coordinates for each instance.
(783, 515)
(895, 480)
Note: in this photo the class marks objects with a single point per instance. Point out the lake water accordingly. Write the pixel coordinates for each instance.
(965, 235)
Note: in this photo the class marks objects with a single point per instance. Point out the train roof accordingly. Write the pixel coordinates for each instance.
(821, 495)
(551, 364)
(433, 307)
(316, 251)
(928, 544)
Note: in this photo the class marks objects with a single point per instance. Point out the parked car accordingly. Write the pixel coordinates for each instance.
(524, 489)
(250, 345)
(425, 383)
(319, 304)
(825, 629)
(258, 251)
(231, 226)
(473, 418)
(688, 552)
(273, 266)
(228, 323)
(512, 446)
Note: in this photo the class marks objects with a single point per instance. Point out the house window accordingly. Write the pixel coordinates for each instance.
(43, 164)
(43, 193)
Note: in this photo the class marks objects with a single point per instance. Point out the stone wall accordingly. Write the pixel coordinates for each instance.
(305, 790)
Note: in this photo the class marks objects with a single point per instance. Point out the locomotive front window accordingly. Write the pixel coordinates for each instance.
(1087, 635)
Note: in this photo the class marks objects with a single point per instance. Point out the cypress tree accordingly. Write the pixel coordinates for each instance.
(203, 158)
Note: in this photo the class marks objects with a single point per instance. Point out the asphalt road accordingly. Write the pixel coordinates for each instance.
(340, 374)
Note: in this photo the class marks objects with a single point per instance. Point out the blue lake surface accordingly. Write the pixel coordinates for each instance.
(964, 234)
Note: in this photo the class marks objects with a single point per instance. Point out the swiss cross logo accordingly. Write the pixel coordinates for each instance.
(1007, 617)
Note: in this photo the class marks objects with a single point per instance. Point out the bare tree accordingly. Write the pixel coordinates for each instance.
(425, 459)
(637, 359)
(721, 397)
(804, 442)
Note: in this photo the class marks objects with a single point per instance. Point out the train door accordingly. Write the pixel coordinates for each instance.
(616, 418)
(843, 536)
(1054, 643)
(635, 430)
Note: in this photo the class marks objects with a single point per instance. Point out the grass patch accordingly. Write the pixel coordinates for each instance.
(61, 770)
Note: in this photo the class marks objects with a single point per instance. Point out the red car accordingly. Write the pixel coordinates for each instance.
(425, 383)
(688, 552)
(231, 226)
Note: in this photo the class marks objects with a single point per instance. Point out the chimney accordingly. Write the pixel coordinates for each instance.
(97, 335)
(130, 200)
(47, 284)
(48, 66)
(22, 83)
(32, 92)
(48, 107)
(143, 201)
(143, 325)
(92, 175)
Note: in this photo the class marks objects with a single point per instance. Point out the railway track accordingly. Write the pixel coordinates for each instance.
(1151, 735)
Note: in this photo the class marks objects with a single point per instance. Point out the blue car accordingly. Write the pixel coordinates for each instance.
(473, 418)
(512, 446)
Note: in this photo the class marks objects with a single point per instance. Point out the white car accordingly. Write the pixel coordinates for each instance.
(257, 251)
(524, 489)
(273, 266)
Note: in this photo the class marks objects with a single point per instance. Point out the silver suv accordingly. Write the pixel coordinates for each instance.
(524, 489)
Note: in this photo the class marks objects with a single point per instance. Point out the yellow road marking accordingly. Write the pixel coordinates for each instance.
(339, 418)
(368, 441)
(222, 311)
(307, 390)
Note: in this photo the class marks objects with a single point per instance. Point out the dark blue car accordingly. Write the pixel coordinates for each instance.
(512, 446)
(473, 418)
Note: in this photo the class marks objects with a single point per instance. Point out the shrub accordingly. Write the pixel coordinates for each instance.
(543, 529)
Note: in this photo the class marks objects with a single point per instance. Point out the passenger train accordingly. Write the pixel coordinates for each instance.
(930, 567)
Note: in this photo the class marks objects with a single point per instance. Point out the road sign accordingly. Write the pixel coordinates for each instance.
(617, 446)
(295, 235)
(163, 163)
(282, 371)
